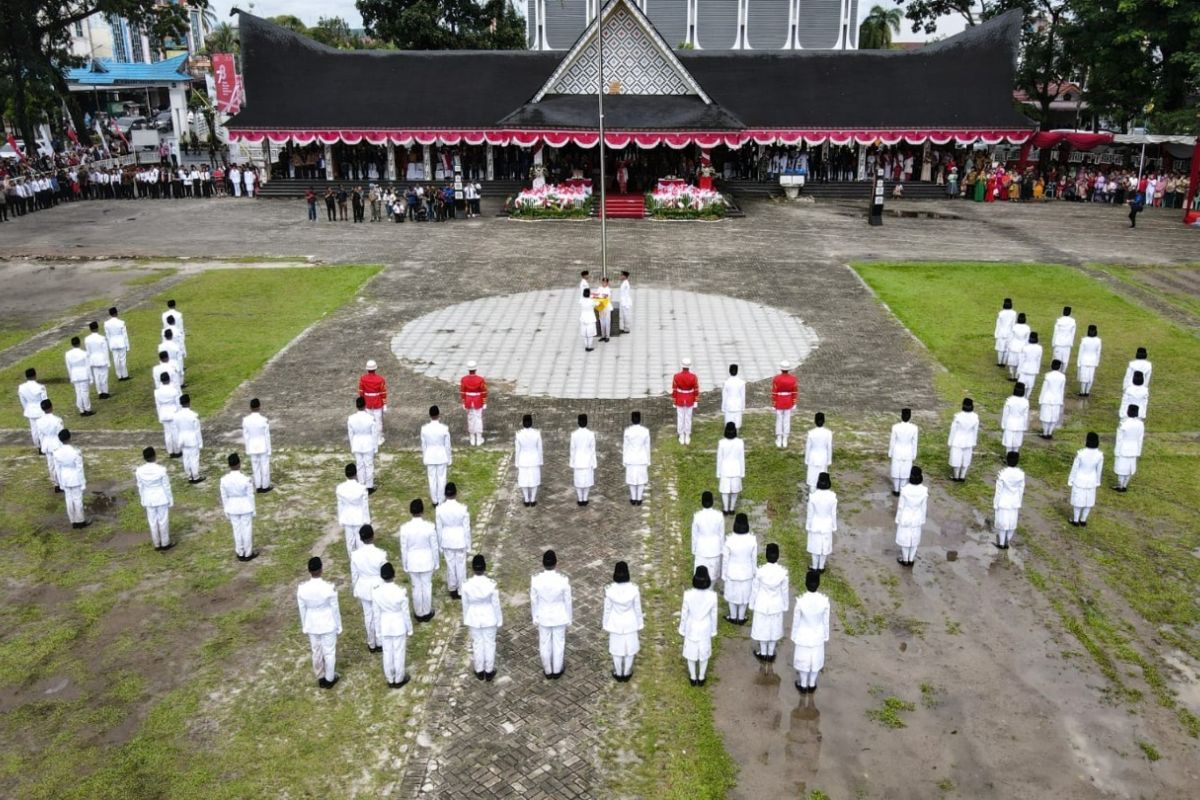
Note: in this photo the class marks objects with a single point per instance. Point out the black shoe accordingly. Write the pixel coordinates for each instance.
(481, 675)
(371, 490)
(330, 684)
(85, 523)
(104, 395)
(324, 684)
(693, 682)
(122, 380)
(616, 677)
(550, 676)
(770, 659)
(456, 595)
(489, 675)
(702, 681)
(1082, 524)
(1003, 547)
(800, 688)
(731, 620)
(900, 561)
(588, 349)
(632, 502)
(240, 557)
(429, 616)
(58, 490)
(177, 455)
(201, 479)
(533, 503)
(265, 490)
(253, 555)
(167, 547)
(1074, 523)
(756, 654)
(585, 502)
(895, 494)
(399, 685)
(525, 503)
(86, 413)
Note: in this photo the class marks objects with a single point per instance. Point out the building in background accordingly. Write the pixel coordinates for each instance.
(112, 38)
(710, 24)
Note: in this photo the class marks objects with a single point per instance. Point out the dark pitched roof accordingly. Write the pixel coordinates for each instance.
(962, 82)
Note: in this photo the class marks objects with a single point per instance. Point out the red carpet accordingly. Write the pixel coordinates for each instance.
(624, 206)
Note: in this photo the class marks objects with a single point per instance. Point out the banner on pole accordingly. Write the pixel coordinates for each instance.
(228, 83)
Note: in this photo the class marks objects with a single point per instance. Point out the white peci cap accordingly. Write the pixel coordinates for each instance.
(785, 365)
(687, 362)
(471, 365)
(371, 365)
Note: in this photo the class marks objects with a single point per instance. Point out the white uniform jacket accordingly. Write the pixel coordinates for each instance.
(550, 599)
(770, 593)
(1010, 488)
(733, 395)
(435, 443)
(391, 610)
(528, 444)
(353, 505)
(154, 486)
(68, 463)
(364, 570)
(77, 366)
(822, 512)
(1015, 416)
(319, 613)
(635, 447)
(256, 434)
(453, 523)
(237, 493)
(818, 447)
(698, 617)
(1087, 469)
(187, 428)
(741, 556)
(731, 458)
(622, 609)
(481, 603)
(810, 623)
(903, 444)
(583, 449)
(360, 428)
(708, 533)
(964, 430)
(418, 546)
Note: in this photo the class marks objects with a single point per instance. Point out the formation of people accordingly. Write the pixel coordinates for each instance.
(596, 309)
(416, 204)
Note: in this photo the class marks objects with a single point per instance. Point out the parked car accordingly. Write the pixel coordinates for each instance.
(126, 124)
(162, 122)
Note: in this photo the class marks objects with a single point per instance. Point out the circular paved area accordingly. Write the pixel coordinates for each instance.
(531, 341)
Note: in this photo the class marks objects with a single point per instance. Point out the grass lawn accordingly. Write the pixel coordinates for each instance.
(236, 320)
(128, 673)
(1167, 283)
(1143, 543)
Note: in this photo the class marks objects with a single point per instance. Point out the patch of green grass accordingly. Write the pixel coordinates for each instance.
(14, 336)
(1150, 750)
(953, 627)
(945, 785)
(1137, 277)
(236, 321)
(817, 794)
(930, 695)
(888, 713)
(1190, 722)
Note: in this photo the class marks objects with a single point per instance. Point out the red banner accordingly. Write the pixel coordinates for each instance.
(227, 82)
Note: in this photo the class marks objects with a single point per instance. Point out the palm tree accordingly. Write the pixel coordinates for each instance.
(222, 39)
(876, 30)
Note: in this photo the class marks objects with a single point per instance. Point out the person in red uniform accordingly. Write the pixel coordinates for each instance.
(783, 396)
(372, 388)
(685, 391)
(473, 391)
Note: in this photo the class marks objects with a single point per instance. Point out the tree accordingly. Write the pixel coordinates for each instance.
(1046, 61)
(876, 30)
(444, 24)
(292, 23)
(223, 39)
(924, 14)
(335, 32)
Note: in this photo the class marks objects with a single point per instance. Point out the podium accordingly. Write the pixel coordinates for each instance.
(704, 182)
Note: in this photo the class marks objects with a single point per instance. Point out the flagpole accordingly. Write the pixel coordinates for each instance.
(600, 104)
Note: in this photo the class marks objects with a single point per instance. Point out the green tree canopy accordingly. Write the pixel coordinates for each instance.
(445, 24)
(875, 32)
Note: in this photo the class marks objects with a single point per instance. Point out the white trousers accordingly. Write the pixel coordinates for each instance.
(121, 362)
(160, 531)
(783, 423)
(395, 648)
(260, 468)
(243, 533)
(422, 592)
(324, 654)
(683, 420)
(100, 379)
(475, 421)
(1062, 354)
(74, 498)
(552, 645)
(483, 648)
(33, 431)
(237, 189)
(456, 568)
(377, 415)
(352, 540)
(52, 467)
(369, 621)
(170, 436)
(626, 318)
(83, 400)
(365, 464)
(605, 325)
(437, 482)
(191, 462)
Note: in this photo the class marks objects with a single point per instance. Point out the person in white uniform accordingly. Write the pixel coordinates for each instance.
(1016, 342)
(256, 438)
(392, 625)
(1014, 419)
(741, 560)
(166, 366)
(1140, 363)
(1050, 399)
(1087, 472)
(1003, 331)
(527, 445)
(79, 373)
(810, 632)
(733, 397)
(910, 517)
(1087, 360)
(118, 343)
(583, 460)
(603, 297)
(435, 454)
(622, 619)
(698, 625)
(190, 438)
(177, 323)
(1007, 501)
(353, 508)
(1030, 364)
(174, 352)
(166, 405)
(365, 563)
(419, 558)
(964, 435)
(821, 521)
(769, 600)
(626, 305)
(237, 498)
(818, 451)
(453, 523)
(635, 455)
(731, 467)
(1135, 394)
(48, 426)
(321, 621)
(96, 347)
(364, 443)
(68, 465)
(550, 606)
(483, 617)
(708, 537)
(1128, 448)
(154, 492)
(31, 394)
(902, 449)
(587, 321)
(1063, 338)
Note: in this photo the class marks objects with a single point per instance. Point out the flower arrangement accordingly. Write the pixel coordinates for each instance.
(553, 201)
(682, 201)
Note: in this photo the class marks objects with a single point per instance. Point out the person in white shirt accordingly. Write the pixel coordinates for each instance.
(733, 397)
(435, 454)
(528, 459)
(166, 366)
(910, 517)
(583, 461)
(1050, 399)
(321, 621)
(96, 347)
(583, 280)
(551, 608)
(698, 625)
(1014, 419)
(741, 559)
(769, 600)
(622, 620)
(190, 438)
(902, 449)
(79, 373)
(453, 523)
(587, 320)
(364, 443)
(353, 510)
(118, 343)
(1007, 501)
(1030, 363)
(68, 464)
(176, 323)
(392, 625)
(964, 435)
(821, 521)
(154, 491)
(48, 426)
(1088, 360)
(483, 616)
(731, 467)
(365, 563)
(176, 337)
(237, 500)
(235, 178)
(603, 298)
(1086, 473)
(1135, 394)
(166, 405)
(31, 394)
(1063, 338)
(419, 558)
(635, 454)
(256, 438)
(818, 450)
(1141, 364)
(174, 352)
(249, 177)
(1128, 448)
(1016, 343)
(810, 632)
(626, 305)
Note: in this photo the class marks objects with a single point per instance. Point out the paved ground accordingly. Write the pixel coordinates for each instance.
(544, 743)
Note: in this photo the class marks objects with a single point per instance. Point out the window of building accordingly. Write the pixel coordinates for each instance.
(79, 27)
(135, 40)
(197, 33)
(120, 43)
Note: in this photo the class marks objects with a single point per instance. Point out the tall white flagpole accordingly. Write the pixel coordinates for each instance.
(600, 104)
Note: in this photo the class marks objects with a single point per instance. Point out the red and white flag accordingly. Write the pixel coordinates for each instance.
(228, 83)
